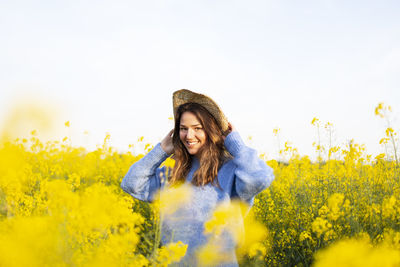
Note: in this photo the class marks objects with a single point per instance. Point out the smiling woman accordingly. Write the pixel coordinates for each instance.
(212, 163)
(197, 135)
(192, 136)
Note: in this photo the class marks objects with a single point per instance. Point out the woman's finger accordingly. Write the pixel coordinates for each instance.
(232, 127)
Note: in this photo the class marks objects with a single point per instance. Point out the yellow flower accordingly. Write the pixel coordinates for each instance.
(257, 250)
(227, 216)
(357, 253)
(384, 140)
(378, 109)
(335, 203)
(320, 226)
(305, 236)
(173, 198)
(380, 156)
(390, 207)
(211, 255)
(276, 131)
(315, 121)
(389, 131)
(171, 253)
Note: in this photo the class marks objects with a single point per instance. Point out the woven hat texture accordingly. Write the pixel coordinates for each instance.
(184, 96)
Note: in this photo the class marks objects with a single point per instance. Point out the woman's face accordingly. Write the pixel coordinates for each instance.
(191, 133)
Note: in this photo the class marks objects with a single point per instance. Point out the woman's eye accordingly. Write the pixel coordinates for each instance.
(197, 128)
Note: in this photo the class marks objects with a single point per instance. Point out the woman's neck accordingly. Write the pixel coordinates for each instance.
(195, 159)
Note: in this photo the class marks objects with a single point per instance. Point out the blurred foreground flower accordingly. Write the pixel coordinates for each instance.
(232, 225)
(357, 253)
(172, 198)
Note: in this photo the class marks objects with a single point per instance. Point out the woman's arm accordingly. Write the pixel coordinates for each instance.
(252, 174)
(143, 178)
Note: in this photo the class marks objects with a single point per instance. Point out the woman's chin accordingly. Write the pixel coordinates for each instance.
(192, 151)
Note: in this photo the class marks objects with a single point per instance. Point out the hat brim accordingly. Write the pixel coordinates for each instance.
(184, 96)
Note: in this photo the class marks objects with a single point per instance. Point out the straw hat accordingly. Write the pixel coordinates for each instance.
(184, 96)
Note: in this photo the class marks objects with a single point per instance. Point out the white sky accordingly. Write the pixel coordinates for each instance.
(111, 66)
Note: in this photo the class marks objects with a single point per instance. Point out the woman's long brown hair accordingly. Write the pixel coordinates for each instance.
(213, 152)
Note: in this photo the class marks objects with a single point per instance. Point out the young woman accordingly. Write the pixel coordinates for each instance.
(212, 159)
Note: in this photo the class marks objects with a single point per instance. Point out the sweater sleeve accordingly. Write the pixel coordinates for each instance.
(252, 174)
(143, 179)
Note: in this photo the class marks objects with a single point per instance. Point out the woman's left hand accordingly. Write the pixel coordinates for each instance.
(231, 128)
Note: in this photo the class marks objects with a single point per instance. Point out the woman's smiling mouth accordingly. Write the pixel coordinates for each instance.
(191, 144)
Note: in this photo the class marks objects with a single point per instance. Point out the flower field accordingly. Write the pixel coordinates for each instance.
(63, 206)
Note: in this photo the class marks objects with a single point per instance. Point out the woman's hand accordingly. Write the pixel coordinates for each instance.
(231, 128)
(166, 143)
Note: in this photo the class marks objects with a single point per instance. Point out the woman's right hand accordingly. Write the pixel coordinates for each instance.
(166, 143)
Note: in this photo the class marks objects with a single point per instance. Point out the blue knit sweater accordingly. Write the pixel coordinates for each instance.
(242, 177)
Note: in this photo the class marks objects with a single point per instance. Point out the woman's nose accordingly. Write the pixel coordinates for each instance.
(190, 134)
